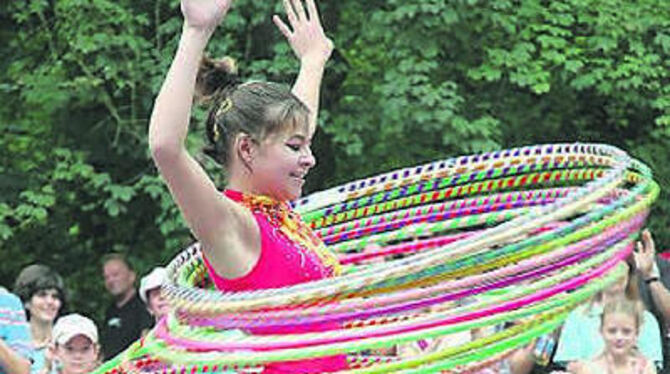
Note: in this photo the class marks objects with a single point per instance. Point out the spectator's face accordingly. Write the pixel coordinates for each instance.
(44, 305)
(118, 277)
(158, 305)
(619, 333)
(78, 356)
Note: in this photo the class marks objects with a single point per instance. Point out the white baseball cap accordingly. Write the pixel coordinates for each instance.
(71, 325)
(155, 279)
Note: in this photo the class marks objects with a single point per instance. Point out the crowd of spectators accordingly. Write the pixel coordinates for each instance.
(39, 335)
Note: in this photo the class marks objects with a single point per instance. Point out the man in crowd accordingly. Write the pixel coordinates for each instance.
(15, 340)
(126, 317)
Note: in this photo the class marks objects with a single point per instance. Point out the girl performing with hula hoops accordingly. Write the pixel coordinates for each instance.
(261, 133)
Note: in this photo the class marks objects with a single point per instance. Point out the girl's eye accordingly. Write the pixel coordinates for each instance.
(294, 147)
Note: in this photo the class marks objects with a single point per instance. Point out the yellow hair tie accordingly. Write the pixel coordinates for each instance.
(215, 131)
(225, 106)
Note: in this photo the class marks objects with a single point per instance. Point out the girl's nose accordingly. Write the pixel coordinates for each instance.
(307, 159)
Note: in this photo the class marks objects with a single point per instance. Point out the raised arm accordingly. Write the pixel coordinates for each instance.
(644, 259)
(217, 222)
(311, 46)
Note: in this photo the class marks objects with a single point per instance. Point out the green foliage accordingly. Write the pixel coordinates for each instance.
(409, 82)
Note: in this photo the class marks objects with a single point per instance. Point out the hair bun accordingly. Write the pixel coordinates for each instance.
(215, 77)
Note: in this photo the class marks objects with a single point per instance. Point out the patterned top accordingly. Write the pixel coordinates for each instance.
(14, 329)
(290, 252)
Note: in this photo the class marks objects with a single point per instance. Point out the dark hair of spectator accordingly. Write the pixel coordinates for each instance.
(35, 278)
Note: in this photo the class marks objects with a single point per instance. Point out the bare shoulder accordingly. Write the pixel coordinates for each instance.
(235, 247)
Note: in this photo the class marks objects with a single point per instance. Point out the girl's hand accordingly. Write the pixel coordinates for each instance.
(305, 34)
(204, 14)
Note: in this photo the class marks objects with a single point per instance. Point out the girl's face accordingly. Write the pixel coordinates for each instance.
(158, 305)
(78, 356)
(619, 333)
(44, 305)
(280, 164)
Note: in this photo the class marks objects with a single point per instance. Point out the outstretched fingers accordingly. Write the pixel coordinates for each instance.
(299, 10)
(283, 28)
(648, 241)
(290, 13)
(312, 11)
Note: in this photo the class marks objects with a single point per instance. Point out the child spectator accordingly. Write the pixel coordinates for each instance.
(581, 340)
(620, 326)
(75, 348)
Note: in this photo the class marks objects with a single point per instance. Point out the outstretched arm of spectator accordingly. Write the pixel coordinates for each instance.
(11, 362)
(644, 259)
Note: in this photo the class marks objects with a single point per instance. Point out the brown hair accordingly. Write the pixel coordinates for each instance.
(35, 278)
(255, 108)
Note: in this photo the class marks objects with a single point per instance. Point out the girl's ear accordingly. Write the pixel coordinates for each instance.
(246, 148)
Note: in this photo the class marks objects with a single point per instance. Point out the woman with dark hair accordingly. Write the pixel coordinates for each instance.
(261, 133)
(42, 292)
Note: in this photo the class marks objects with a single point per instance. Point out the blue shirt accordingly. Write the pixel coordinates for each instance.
(38, 360)
(14, 329)
(581, 340)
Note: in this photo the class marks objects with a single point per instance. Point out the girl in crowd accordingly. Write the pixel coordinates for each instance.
(620, 326)
(581, 339)
(42, 292)
(151, 294)
(261, 133)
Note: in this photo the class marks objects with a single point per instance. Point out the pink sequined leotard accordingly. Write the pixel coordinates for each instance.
(290, 254)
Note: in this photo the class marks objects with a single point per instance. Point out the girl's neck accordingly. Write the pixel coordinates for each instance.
(240, 179)
(40, 331)
(619, 360)
(240, 186)
(618, 363)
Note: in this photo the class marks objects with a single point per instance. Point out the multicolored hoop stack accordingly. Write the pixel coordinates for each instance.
(516, 238)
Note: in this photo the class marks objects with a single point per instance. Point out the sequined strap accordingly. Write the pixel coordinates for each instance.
(281, 216)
